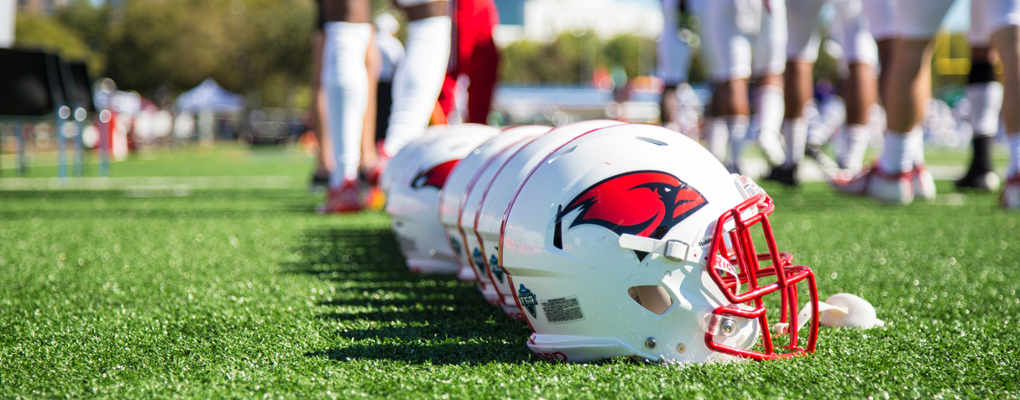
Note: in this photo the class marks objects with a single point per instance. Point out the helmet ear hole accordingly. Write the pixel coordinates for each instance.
(653, 298)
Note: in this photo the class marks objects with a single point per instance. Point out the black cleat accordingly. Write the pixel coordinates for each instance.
(981, 181)
(785, 176)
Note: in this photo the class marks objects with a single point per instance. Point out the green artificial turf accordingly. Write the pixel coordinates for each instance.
(249, 294)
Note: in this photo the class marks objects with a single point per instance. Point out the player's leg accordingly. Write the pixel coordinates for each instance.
(1006, 41)
(985, 95)
(483, 63)
(879, 15)
(373, 64)
(344, 78)
(419, 78)
(801, 52)
(318, 110)
(860, 86)
(769, 103)
(673, 59)
(908, 91)
(728, 53)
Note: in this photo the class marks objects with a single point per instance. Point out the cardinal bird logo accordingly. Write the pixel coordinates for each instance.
(640, 203)
(435, 176)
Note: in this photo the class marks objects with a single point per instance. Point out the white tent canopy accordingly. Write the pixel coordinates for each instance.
(209, 96)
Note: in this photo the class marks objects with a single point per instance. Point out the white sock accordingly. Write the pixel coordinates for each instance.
(1014, 154)
(985, 105)
(857, 138)
(716, 136)
(737, 126)
(770, 107)
(898, 152)
(345, 79)
(418, 80)
(795, 131)
(917, 143)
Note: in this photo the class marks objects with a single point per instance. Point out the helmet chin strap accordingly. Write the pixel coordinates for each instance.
(839, 313)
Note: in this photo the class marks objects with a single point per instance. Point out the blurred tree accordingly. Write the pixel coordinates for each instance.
(176, 42)
(38, 31)
(91, 24)
(571, 58)
(634, 53)
(242, 44)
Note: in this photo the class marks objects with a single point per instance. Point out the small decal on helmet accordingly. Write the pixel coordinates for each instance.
(640, 203)
(704, 242)
(435, 176)
(476, 256)
(496, 270)
(528, 300)
(456, 245)
(562, 310)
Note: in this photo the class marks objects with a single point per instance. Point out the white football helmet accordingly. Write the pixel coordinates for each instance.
(495, 197)
(454, 194)
(407, 152)
(468, 223)
(635, 241)
(413, 198)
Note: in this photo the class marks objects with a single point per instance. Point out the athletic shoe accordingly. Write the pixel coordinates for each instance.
(343, 199)
(923, 183)
(984, 182)
(374, 174)
(1010, 196)
(818, 154)
(320, 180)
(874, 183)
(784, 175)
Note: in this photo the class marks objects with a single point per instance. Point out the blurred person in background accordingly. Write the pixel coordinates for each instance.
(390, 54)
(416, 86)
(732, 31)
(860, 55)
(985, 93)
(673, 52)
(474, 57)
(899, 175)
(385, 54)
(317, 112)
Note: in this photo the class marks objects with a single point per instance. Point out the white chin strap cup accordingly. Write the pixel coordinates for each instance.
(840, 310)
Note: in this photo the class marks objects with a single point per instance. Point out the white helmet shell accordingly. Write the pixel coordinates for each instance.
(486, 267)
(409, 151)
(459, 184)
(496, 196)
(611, 243)
(413, 199)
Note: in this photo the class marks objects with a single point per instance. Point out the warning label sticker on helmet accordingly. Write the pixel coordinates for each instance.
(562, 310)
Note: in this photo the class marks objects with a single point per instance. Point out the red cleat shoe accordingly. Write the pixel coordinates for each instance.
(341, 200)
(374, 174)
(874, 183)
(923, 183)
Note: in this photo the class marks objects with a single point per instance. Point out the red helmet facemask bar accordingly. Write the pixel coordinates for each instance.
(746, 265)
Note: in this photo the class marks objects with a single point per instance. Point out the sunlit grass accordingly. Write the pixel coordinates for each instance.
(246, 293)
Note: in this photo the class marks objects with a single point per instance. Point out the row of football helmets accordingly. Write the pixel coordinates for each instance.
(608, 239)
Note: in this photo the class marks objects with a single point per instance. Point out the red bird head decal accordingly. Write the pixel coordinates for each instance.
(435, 176)
(640, 203)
